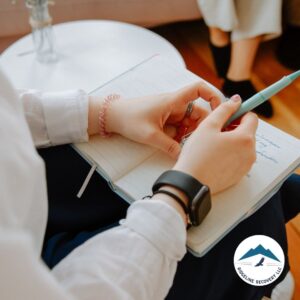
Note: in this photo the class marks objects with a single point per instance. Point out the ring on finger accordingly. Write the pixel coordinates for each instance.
(189, 110)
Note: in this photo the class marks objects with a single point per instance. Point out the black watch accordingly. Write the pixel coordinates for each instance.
(198, 194)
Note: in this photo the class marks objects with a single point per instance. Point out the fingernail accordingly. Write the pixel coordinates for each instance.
(236, 98)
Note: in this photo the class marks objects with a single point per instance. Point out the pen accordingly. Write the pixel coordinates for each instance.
(263, 96)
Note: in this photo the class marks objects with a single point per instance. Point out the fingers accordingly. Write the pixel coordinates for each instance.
(170, 130)
(199, 113)
(223, 112)
(165, 143)
(196, 90)
(211, 95)
(249, 123)
(178, 116)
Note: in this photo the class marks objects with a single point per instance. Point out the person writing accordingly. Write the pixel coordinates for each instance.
(108, 264)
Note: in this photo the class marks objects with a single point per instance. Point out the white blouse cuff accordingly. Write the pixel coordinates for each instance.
(160, 224)
(66, 116)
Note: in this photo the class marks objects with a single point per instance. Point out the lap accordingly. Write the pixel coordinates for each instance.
(214, 275)
(98, 206)
(72, 221)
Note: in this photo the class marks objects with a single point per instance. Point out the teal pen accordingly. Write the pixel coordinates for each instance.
(263, 96)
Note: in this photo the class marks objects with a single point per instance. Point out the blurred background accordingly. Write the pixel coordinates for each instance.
(181, 23)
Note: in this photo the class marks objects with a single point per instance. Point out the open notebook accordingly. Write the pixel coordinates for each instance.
(132, 168)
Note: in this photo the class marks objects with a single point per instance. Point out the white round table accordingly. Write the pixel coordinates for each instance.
(90, 54)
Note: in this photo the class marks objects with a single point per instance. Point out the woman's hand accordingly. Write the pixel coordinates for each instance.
(154, 120)
(219, 158)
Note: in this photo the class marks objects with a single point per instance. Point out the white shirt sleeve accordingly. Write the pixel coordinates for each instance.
(57, 117)
(136, 260)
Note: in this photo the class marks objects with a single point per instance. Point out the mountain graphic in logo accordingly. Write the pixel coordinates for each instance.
(259, 250)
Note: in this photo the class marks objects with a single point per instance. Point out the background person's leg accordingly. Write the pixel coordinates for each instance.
(243, 54)
(220, 47)
(218, 37)
(248, 22)
(238, 78)
(234, 62)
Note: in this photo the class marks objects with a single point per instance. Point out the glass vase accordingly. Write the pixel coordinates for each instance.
(42, 31)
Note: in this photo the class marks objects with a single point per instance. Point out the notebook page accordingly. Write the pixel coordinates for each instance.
(152, 77)
(134, 170)
(278, 154)
(117, 156)
(139, 181)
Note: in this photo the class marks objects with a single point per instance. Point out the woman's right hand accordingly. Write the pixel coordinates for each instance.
(219, 159)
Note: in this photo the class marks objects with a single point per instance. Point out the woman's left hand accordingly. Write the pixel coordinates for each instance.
(154, 120)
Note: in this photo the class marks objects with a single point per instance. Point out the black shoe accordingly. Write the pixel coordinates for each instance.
(288, 51)
(246, 89)
(221, 56)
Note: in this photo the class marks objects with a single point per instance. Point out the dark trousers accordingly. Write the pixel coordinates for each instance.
(72, 221)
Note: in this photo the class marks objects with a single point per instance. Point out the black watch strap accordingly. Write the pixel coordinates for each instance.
(197, 193)
(182, 181)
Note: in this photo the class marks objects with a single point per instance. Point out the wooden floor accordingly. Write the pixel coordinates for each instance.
(191, 41)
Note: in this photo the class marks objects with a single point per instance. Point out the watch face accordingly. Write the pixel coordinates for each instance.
(200, 206)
